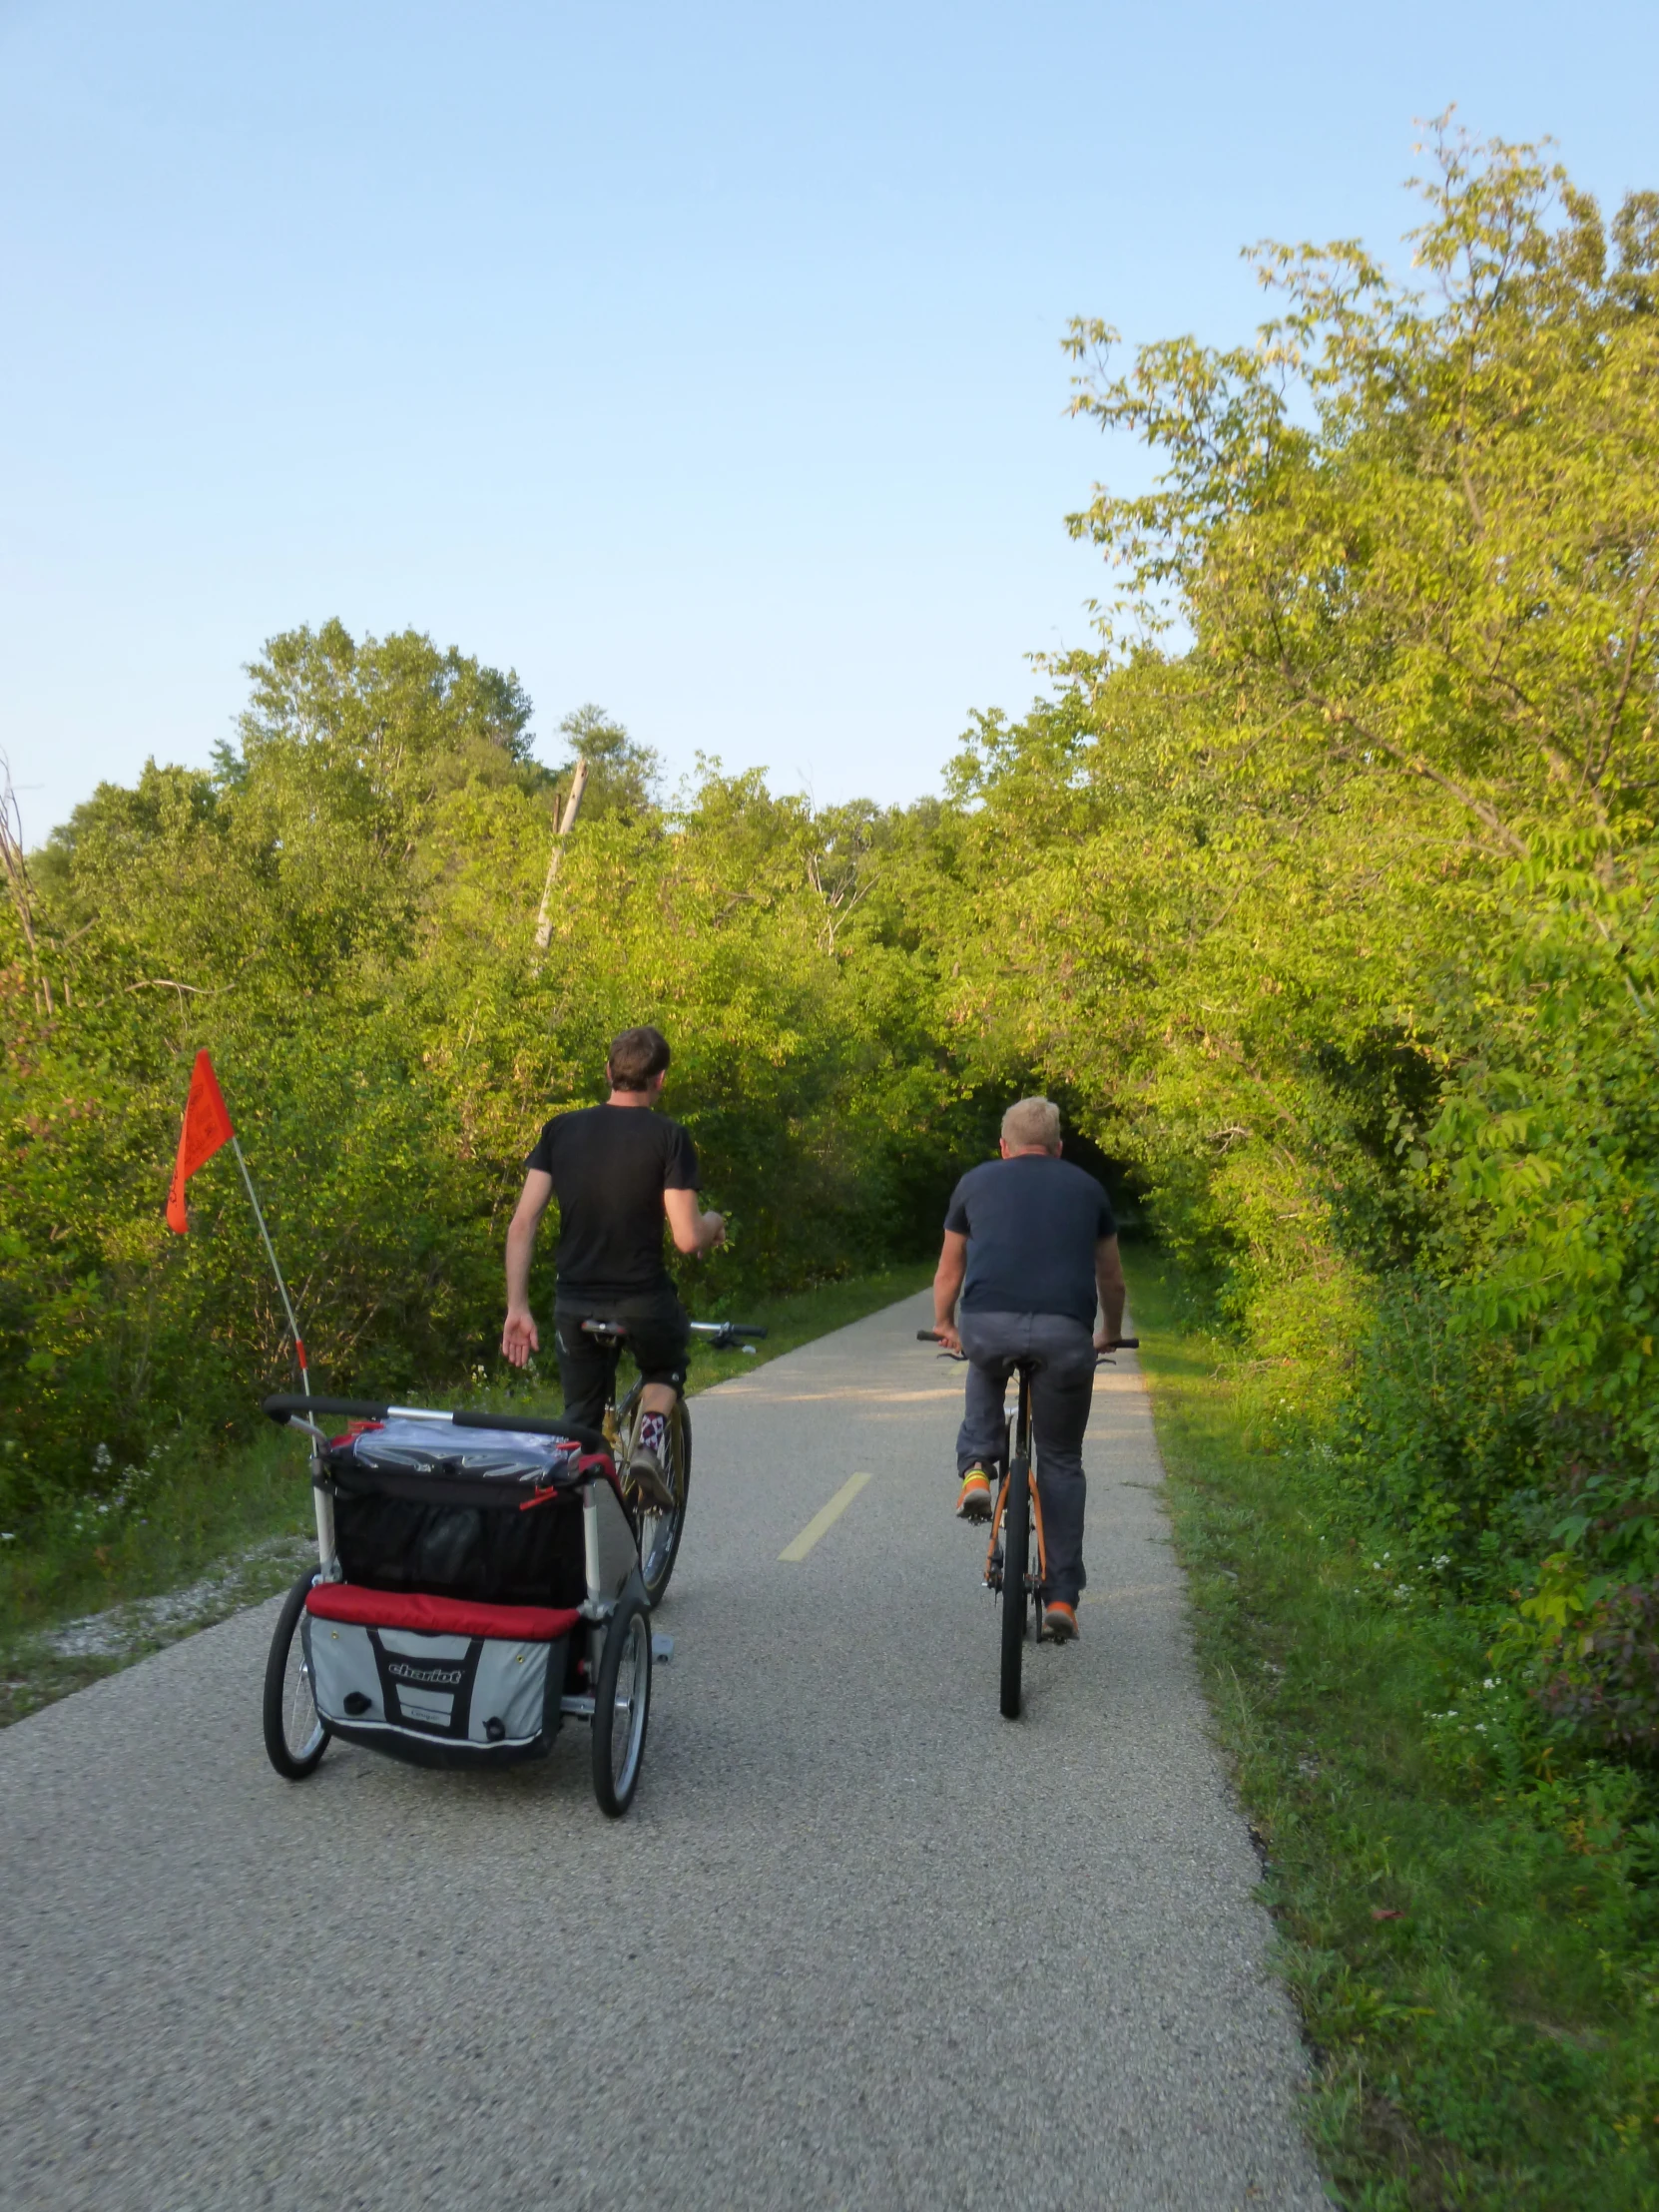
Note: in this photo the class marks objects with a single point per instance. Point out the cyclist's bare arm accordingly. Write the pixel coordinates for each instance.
(1109, 1283)
(519, 1339)
(692, 1231)
(947, 1287)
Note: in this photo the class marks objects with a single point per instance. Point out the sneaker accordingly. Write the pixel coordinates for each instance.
(1060, 1621)
(973, 1500)
(645, 1472)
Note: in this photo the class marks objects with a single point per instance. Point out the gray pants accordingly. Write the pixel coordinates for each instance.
(1061, 1391)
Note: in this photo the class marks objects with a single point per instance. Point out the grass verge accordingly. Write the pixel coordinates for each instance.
(110, 1582)
(1468, 1930)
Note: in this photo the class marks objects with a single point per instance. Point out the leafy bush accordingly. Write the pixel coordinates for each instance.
(343, 913)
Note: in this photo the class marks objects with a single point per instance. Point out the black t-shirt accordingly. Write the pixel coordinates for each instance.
(609, 1167)
(1032, 1223)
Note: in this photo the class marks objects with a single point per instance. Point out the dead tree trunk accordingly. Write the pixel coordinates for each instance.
(17, 880)
(567, 821)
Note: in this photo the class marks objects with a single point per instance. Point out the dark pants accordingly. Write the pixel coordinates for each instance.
(1061, 1390)
(657, 1334)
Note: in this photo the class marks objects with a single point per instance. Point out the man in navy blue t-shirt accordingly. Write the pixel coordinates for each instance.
(1030, 1248)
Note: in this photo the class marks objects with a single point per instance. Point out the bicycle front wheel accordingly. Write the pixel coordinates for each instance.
(1016, 1546)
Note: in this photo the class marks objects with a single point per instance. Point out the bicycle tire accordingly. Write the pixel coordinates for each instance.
(1016, 1544)
(293, 1747)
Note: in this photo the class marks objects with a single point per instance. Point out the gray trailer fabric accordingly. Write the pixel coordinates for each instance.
(493, 1692)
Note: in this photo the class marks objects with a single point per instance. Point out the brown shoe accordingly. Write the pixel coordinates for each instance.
(648, 1480)
(1060, 1622)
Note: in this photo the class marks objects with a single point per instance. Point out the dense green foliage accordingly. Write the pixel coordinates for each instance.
(343, 913)
(1323, 894)
(1476, 1966)
(1341, 921)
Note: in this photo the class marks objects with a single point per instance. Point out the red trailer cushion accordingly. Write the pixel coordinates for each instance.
(439, 1616)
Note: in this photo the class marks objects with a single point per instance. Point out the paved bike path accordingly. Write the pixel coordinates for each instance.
(861, 1943)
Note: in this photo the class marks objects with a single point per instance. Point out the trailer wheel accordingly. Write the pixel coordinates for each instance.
(295, 1736)
(621, 1702)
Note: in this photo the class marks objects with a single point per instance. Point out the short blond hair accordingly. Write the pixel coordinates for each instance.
(1033, 1121)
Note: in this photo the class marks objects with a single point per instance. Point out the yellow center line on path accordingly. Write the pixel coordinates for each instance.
(826, 1517)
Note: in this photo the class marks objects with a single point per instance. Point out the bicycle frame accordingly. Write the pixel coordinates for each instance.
(726, 1336)
(660, 1527)
(1018, 1452)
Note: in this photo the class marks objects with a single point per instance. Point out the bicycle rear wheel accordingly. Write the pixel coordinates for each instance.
(660, 1533)
(1016, 1546)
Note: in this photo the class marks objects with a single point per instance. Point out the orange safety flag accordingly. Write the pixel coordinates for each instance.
(206, 1127)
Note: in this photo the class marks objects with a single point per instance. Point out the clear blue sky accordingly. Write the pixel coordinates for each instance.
(700, 361)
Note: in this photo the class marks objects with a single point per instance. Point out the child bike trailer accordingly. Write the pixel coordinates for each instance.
(477, 1584)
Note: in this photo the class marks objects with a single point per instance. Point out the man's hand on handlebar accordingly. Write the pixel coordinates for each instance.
(694, 1232)
(946, 1331)
(519, 1339)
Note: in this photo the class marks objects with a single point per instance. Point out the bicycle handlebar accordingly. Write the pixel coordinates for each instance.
(723, 1332)
(1120, 1343)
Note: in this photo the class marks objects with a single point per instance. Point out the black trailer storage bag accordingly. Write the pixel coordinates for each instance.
(483, 1516)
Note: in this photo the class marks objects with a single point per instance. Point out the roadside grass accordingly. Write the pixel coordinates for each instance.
(189, 1542)
(1467, 1925)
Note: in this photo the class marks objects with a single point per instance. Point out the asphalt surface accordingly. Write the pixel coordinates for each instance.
(861, 1943)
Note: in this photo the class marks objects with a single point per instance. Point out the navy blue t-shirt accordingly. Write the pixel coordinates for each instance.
(1032, 1223)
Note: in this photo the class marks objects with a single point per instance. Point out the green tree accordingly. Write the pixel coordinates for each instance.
(624, 776)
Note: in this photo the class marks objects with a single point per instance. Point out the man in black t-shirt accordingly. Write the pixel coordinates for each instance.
(617, 1171)
(1031, 1248)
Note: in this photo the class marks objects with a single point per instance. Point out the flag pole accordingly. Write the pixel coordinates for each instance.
(270, 1255)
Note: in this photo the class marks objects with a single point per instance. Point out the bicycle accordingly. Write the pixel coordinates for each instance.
(660, 1532)
(1008, 1570)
